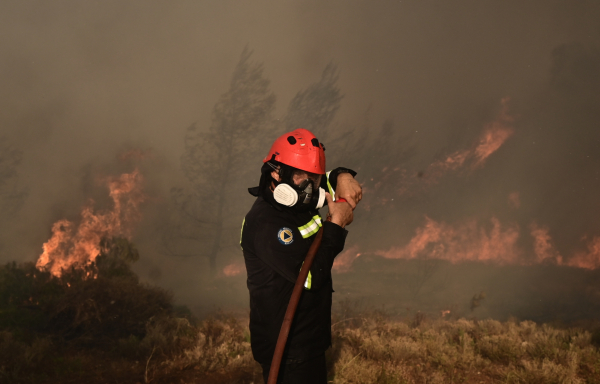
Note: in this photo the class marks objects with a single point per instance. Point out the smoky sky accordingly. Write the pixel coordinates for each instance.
(82, 81)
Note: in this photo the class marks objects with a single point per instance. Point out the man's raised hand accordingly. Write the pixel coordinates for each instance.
(340, 213)
(349, 189)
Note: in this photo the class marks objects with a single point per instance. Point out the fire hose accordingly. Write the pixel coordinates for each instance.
(293, 304)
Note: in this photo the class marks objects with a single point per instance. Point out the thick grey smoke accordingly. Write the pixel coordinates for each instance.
(85, 81)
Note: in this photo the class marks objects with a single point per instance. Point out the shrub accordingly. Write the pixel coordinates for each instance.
(104, 298)
(45, 321)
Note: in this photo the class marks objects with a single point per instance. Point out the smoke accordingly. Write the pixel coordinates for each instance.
(460, 172)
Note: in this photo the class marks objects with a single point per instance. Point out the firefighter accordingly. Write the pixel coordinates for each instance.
(276, 235)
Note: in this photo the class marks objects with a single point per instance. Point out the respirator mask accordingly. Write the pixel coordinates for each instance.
(304, 197)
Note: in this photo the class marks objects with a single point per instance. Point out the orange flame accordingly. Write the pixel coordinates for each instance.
(396, 182)
(76, 246)
(496, 133)
(343, 261)
(233, 269)
(546, 252)
(467, 242)
(589, 259)
(454, 161)
(472, 242)
(542, 245)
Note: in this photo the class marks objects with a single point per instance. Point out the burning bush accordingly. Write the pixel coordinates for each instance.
(104, 298)
(101, 305)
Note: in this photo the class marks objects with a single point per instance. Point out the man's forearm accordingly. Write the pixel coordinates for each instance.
(331, 179)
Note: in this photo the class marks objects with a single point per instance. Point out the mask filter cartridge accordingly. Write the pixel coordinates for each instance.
(321, 200)
(285, 195)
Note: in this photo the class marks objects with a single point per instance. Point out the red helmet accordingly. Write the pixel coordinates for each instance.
(299, 149)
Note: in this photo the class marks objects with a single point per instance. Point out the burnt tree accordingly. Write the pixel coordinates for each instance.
(217, 163)
(315, 107)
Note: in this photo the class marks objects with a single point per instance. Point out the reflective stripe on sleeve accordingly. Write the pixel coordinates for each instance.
(331, 191)
(310, 228)
(242, 233)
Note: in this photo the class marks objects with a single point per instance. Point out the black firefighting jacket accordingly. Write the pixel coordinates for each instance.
(275, 240)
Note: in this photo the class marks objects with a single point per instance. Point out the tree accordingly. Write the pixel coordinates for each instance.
(216, 162)
(315, 107)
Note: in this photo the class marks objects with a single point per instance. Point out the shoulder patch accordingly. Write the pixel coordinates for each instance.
(285, 236)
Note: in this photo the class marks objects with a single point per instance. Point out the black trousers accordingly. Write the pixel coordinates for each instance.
(313, 371)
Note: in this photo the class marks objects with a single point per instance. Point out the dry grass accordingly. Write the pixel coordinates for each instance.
(114, 329)
(373, 348)
(367, 348)
(380, 350)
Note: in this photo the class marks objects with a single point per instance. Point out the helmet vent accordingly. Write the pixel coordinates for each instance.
(315, 142)
(291, 140)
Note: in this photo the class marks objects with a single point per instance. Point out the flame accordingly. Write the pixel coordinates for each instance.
(471, 241)
(542, 245)
(492, 138)
(395, 182)
(466, 242)
(589, 259)
(233, 269)
(454, 161)
(545, 251)
(343, 261)
(74, 245)
(495, 134)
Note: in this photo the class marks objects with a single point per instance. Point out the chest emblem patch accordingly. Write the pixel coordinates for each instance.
(285, 236)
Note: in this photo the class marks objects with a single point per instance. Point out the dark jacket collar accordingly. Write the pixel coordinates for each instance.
(267, 195)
